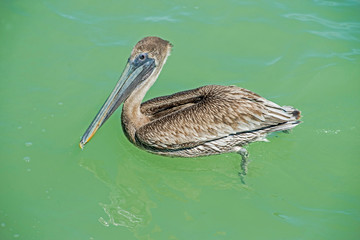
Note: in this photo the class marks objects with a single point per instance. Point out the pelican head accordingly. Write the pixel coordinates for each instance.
(143, 66)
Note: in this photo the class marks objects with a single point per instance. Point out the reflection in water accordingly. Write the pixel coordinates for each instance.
(138, 180)
(116, 210)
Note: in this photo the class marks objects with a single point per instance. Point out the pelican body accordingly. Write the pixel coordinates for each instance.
(204, 121)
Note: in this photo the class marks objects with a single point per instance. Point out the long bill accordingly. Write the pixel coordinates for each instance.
(134, 73)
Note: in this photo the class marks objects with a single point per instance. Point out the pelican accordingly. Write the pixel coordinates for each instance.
(204, 121)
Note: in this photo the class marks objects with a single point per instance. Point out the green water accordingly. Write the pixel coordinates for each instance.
(59, 61)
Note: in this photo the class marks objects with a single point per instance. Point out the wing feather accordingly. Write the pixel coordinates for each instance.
(218, 112)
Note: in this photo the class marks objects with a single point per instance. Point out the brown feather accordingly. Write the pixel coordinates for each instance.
(190, 118)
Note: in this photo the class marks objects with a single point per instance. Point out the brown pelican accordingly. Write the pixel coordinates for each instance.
(204, 121)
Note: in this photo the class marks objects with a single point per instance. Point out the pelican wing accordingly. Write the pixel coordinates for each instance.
(161, 106)
(190, 118)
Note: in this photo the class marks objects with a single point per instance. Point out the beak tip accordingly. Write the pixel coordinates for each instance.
(81, 145)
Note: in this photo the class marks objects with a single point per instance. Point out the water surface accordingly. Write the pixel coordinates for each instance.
(59, 61)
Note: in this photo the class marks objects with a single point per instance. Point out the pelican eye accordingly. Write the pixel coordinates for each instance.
(142, 56)
(140, 59)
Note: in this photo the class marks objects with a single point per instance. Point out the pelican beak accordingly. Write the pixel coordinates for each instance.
(135, 72)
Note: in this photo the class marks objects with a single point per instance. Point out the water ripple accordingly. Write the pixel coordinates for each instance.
(333, 30)
(335, 35)
(272, 62)
(344, 55)
(344, 212)
(92, 19)
(82, 17)
(350, 26)
(336, 4)
(160, 19)
(105, 40)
